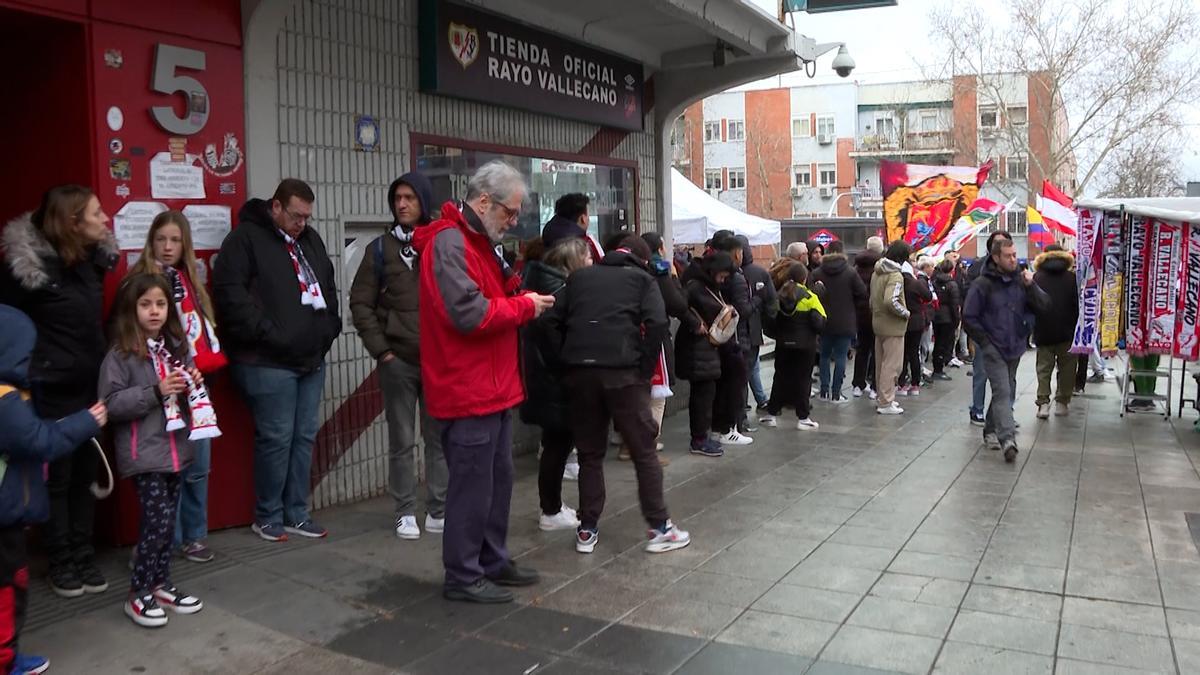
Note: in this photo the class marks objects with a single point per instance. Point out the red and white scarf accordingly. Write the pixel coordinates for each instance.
(203, 346)
(204, 418)
(310, 288)
(660, 387)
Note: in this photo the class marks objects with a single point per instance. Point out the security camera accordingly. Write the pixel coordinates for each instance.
(843, 64)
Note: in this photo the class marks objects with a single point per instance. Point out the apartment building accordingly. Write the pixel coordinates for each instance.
(814, 151)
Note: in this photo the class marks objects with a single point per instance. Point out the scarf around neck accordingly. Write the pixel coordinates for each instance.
(203, 417)
(201, 335)
(310, 287)
(407, 253)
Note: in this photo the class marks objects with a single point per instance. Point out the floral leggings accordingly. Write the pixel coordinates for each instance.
(158, 495)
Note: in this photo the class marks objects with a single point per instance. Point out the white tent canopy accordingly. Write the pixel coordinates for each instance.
(1183, 209)
(696, 216)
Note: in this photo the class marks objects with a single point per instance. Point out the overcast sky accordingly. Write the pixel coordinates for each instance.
(882, 41)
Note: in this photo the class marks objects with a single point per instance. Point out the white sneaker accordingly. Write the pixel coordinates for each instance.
(571, 472)
(1061, 410)
(840, 399)
(956, 363)
(858, 392)
(807, 424)
(434, 525)
(1043, 411)
(565, 519)
(927, 373)
(669, 538)
(872, 394)
(892, 409)
(992, 441)
(768, 421)
(406, 527)
(734, 438)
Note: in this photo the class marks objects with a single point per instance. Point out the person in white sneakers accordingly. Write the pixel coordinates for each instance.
(800, 320)
(889, 317)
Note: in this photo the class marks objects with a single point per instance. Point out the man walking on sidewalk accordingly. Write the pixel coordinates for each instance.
(469, 318)
(1055, 274)
(997, 316)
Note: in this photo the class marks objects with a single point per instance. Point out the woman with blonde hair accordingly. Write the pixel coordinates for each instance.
(169, 252)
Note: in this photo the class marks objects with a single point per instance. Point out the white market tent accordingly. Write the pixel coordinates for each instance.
(1183, 209)
(696, 216)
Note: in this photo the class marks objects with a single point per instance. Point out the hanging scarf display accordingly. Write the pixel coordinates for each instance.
(1187, 336)
(310, 288)
(1111, 286)
(203, 346)
(204, 418)
(1163, 288)
(1088, 245)
(407, 253)
(1135, 274)
(660, 387)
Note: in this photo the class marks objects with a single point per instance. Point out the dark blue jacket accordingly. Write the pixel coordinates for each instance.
(999, 310)
(26, 442)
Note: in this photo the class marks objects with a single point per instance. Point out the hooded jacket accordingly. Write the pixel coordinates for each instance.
(66, 305)
(676, 304)
(864, 264)
(545, 396)
(801, 318)
(468, 319)
(889, 312)
(261, 318)
(844, 292)
(919, 300)
(558, 229)
(386, 316)
(949, 309)
(1056, 275)
(129, 387)
(697, 359)
(27, 442)
(611, 315)
(763, 302)
(997, 313)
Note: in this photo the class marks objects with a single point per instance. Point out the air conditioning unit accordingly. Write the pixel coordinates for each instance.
(825, 139)
(826, 193)
(795, 192)
(714, 192)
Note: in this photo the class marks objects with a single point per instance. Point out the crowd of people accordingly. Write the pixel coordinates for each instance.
(577, 337)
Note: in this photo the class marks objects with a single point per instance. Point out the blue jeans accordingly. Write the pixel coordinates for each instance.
(836, 347)
(756, 385)
(285, 405)
(191, 518)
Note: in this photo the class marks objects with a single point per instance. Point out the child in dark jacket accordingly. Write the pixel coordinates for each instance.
(800, 320)
(141, 380)
(26, 444)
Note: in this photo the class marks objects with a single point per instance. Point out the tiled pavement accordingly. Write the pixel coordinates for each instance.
(878, 544)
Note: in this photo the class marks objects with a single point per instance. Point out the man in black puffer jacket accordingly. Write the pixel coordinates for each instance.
(1054, 331)
(762, 299)
(612, 324)
(729, 413)
(844, 293)
(864, 352)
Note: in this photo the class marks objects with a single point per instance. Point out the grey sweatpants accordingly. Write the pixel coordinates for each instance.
(1002, 376)
(401, 385)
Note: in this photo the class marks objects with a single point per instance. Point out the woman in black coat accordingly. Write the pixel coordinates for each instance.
(55, 260)
(945, 318)
(545, 396)
(917, 296)
(696, 358)
(800, 320)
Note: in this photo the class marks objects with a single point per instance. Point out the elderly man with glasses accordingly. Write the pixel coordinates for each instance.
(470, 311)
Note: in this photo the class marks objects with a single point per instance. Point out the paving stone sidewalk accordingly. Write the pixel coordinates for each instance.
(877, 544)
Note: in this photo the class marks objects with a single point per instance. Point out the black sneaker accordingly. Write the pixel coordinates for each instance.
(483, 592)
(91, 577)
(514, 575)
(942, 377)
(65, 582)
(1010, 452)
(707, 448)
(978, 420)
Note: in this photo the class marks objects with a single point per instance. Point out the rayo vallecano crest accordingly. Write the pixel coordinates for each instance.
(464, 43)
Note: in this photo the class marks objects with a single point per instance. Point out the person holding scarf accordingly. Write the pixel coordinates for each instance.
(169, 251)
(277, 303)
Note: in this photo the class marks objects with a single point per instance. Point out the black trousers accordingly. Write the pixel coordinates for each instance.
(793, 381)
(604, 396)
(943, 345)
(730, 403)
(14, 592)
(700, 407)
(556, 447)
(910, 368)
(158, 496)
(67, 534)
(864, 356)
(1081, 372)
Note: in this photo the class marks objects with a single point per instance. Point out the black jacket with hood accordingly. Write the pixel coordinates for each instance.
(676, 304)
(697, 359)
(545, 401)
(949, 309)
(844, 294)
(919, 299)
(66, 305)
(864, 264)
(260, 317)
(1056, 275)
(385, 315)
(763, 302)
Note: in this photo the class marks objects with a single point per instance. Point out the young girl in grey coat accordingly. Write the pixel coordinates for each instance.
(141, 381)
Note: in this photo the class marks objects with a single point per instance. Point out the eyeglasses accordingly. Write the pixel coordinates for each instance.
(298, 217)
(509, 213)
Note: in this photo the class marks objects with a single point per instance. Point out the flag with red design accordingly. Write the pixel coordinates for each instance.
(1058, 210)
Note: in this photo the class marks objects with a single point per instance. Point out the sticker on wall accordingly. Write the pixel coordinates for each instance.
(210, 223)
(178, 148)
(137, 151)
(464, 44)
(115, 146)
(175, 180)
(227, 188)
(113, 58)
(366, 133)
(122, 190)
(132, 223)
(198, 107)
(115, 118)
(119, 169)
(226, 163)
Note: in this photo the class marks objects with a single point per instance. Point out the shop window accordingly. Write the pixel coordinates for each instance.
(803, 176)
(611, 189)
(827, 174)
(1018, 116)
(712, 132)
(737, 130)
(737, 179)
(801, 126)
(712, 179)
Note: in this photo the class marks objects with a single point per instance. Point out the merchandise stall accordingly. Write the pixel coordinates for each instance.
(696, 216)
(1138, 268)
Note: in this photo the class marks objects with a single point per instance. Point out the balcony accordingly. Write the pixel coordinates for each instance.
(917, 143)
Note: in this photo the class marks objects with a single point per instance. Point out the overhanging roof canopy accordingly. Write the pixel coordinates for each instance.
(1183, 209)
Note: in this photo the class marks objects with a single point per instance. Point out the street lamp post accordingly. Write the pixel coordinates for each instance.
(833, 204)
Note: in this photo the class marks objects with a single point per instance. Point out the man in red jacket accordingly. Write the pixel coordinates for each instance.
(469, 317)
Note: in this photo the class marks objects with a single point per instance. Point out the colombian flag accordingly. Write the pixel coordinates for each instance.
(1038, 234)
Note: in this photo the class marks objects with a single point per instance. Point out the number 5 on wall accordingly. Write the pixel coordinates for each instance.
(167, 60)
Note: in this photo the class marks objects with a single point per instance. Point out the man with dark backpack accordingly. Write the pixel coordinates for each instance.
(383, 303)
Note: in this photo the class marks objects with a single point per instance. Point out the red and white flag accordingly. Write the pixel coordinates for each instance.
(1057, 210)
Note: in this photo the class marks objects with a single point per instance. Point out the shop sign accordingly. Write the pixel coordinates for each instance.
(468, 53)
(824, 237)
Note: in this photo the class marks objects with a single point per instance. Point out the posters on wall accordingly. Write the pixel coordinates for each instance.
(210, 223)
(132, 223)
(175, 180)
